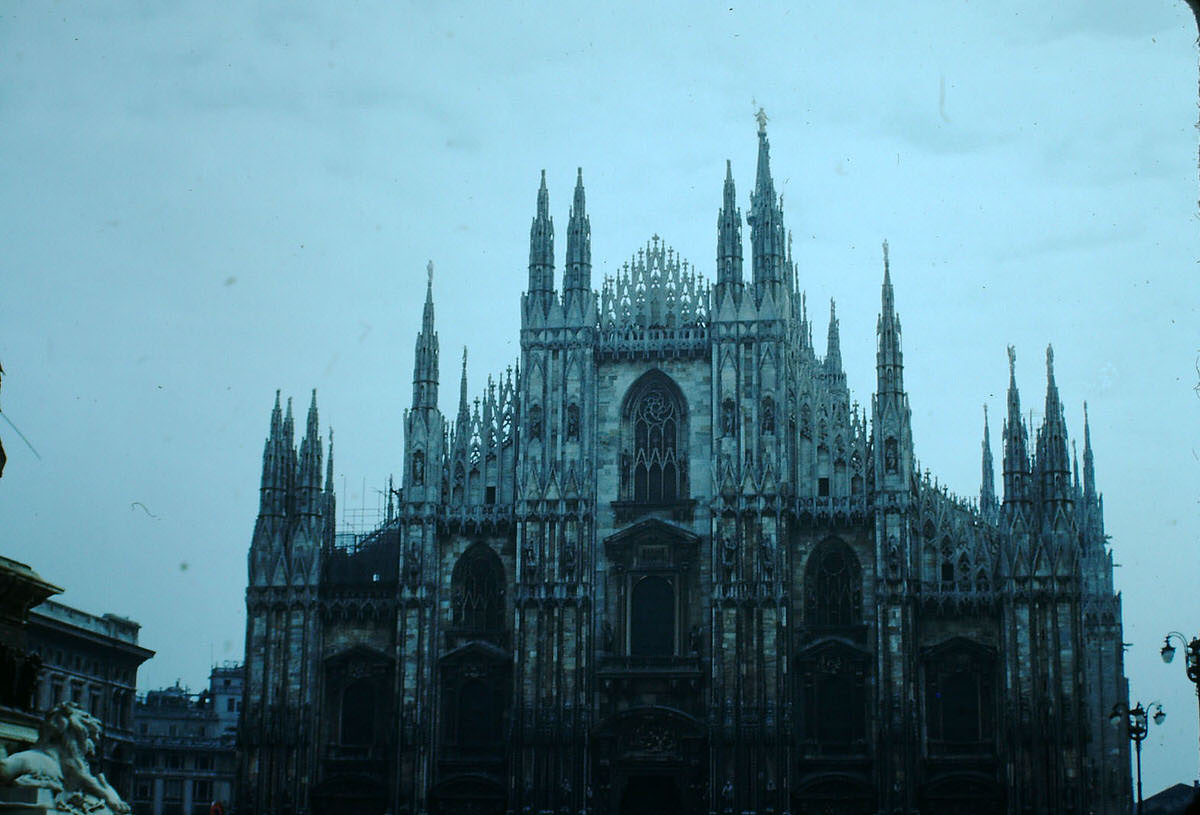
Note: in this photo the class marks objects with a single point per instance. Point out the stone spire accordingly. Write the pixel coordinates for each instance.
(308, 481)
(425, 366)
(889, 359)
(329, 465)
(766, 216)
(729, 234)
(541, 248)
(833, 348)
(1089, 460)
(577, 272)
(987, 489)
(274, 487)
(892, 415)
(462, 424)
(330, 509)
(1016, 454)
(1053, 465)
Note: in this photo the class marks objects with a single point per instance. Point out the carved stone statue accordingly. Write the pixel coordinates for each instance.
(59, 762)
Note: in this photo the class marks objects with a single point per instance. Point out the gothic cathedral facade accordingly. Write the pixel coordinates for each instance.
(668, 565)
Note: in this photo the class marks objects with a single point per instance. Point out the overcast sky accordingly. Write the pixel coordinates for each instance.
(201, 204)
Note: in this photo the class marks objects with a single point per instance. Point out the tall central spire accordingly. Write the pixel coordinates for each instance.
(425, 364)
(729, 234)
(541, 247)
(577, 273)
(889, 359)
(1053, 463)
(766, 216)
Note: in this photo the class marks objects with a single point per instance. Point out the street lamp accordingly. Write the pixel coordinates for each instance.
(1192, 664)
(1137, 720)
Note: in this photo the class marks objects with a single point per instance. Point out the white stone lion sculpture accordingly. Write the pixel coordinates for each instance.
(59, 762)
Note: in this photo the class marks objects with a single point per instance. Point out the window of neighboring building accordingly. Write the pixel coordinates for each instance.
(173, 789)
(652, 618)
(201, 790)
(174, 761)
(143, 791)
(203, 761)
(229, 704)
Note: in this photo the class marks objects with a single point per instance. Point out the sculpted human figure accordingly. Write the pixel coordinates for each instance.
(59, 762)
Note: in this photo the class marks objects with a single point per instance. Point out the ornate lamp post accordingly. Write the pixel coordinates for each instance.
(1137, 722)
(1192, 664)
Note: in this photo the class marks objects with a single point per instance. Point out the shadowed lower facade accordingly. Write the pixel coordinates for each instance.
(668, 565)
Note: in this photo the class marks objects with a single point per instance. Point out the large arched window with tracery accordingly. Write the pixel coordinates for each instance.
(653, 456)
(833, 586)
(477, 591)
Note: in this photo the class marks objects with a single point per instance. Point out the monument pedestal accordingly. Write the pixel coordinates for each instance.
(27, 801)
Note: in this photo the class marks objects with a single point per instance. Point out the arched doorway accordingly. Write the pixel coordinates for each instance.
(651, 795)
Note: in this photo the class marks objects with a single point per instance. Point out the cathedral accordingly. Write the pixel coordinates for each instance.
(666, 564)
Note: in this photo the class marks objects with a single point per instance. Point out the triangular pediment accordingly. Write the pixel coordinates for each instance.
(652, 529)
(953, 644)
(476, 651)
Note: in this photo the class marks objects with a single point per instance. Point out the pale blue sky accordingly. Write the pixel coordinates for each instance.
(199, 205)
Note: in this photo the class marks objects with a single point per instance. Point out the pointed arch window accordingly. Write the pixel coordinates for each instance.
(833, 586)
(654, 458)
(477, 591)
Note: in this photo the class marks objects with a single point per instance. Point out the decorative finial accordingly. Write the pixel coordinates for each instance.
(885, 256)
(1050, 361)
(761, 118)
(429, 270)
(1012, 361)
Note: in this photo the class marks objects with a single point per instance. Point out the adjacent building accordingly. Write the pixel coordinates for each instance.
(21, 588)
(668, 564)
(185, 759)
(92, 661)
